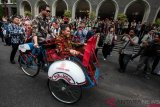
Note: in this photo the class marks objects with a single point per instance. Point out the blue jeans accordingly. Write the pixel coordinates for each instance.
(38, 52)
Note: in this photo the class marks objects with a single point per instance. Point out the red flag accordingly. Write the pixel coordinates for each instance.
(88, 50)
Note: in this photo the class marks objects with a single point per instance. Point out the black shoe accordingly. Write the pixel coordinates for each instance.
(13, 62)
(147, 77)
(44, 67)
(153, 73)
(120, 70)
(136, 73)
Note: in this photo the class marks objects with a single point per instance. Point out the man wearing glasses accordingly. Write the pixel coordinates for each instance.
(41, 26)
(41, 30)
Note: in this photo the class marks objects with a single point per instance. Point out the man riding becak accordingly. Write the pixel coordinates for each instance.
(40, 26)
(41, 29)
(64, 43)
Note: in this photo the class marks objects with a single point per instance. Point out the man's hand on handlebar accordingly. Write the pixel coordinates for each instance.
(74, 52)
(36, 45)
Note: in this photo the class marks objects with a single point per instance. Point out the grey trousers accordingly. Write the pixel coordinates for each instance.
(147, 62)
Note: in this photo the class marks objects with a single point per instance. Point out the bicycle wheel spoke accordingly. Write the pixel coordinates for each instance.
(28, 65)
(70, 94)
(64, 92)
(74, 92)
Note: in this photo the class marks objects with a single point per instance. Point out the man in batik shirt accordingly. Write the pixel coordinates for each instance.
(41, 28)
(17, 34)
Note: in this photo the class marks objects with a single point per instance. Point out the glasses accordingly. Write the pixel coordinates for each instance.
(48, 11)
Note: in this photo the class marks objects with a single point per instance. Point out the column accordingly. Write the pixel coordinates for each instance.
(152, 15)
(53, 8)
(9, 11)
(73, 11)
(9, 1)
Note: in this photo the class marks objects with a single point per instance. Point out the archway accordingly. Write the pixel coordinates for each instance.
(38, 5)
(5, 7)
(13, 10)
(107, 9)
(4, 1)
(61, 6)
(81, 8)
(137, 10)
(157, 16)
(25, 7)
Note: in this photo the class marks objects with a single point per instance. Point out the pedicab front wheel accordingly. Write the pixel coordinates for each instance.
(65, 92)
(29, 65)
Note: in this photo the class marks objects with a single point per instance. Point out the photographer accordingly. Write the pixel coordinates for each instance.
(151, 51)
(130, 40)
(147, 37)
(109, 43)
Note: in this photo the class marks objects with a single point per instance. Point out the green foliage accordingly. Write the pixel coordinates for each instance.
(13, 1)
(27, 13)
(122, 17)
(1, 12)
(92, 15)
(67, 13)
(157, 22)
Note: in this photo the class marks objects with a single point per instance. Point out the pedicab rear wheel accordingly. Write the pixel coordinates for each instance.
(64, 92)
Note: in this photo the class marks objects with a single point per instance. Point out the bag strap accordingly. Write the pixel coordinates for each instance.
(126, 44)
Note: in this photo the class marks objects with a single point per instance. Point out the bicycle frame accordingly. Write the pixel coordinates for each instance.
(24, 58)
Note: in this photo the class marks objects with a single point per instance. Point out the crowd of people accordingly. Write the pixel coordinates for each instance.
(17, 30)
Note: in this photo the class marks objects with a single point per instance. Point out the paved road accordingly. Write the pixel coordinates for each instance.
(114, 88)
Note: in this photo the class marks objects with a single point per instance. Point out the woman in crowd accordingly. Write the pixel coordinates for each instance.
(28, 31)
(109, 43)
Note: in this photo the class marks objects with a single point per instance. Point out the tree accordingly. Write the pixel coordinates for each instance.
(122, 17)
(67, 14)
(157, 22)
(92, 15)
(13, 1)
(1, 12)
(27, 13)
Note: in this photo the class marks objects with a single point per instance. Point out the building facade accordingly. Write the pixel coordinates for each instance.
(140, 10)
(9, 7)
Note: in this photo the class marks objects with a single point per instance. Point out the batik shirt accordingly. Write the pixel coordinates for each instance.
(5, 28)
(17, 33)
(65, 44)
(40, 27)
